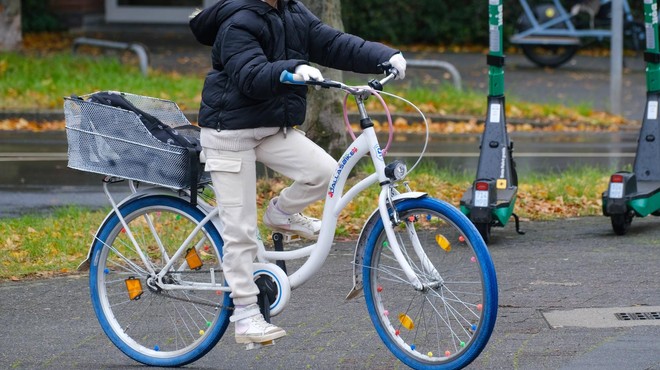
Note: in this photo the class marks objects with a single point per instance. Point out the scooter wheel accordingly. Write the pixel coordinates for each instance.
(621, 222)
(484, 230)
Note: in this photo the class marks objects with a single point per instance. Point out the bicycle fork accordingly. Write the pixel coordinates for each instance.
(385, 203)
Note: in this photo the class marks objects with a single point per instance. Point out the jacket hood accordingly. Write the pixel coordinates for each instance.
(205, 24)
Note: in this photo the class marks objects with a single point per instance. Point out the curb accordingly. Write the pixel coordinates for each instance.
(49, 115)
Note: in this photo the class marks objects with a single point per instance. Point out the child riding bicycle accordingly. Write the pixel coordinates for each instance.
(247, 115)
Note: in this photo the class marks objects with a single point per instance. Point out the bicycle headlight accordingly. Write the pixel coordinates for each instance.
(396, 170)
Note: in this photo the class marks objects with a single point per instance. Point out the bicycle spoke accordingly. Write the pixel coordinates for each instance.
(137, 269)
(162, 317)
(436, 324)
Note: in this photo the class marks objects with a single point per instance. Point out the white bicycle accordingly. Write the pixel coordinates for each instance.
(159, 292)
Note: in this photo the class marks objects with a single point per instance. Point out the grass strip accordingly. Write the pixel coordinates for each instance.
(32, 80)
(42, 245)
(40, 82)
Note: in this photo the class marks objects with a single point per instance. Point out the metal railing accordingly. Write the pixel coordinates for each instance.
(136, 48)
(438, 64)
(143, 57)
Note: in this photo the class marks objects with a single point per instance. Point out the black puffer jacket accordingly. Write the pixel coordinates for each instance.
(253, 44)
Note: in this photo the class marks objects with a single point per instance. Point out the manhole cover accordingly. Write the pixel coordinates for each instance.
(608, 317)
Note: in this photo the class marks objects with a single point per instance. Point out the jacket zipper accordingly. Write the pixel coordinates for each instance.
(286, 57)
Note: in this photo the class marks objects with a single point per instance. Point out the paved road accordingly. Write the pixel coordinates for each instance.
(556, 266)
(584, 81)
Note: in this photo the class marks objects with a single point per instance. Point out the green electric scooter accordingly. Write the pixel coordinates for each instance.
(637, 193)
(491, 198)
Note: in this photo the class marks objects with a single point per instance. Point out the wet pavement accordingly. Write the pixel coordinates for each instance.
(34, 176)
(574, 268)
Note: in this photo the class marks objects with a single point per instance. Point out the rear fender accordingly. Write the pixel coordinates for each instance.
(202, 206)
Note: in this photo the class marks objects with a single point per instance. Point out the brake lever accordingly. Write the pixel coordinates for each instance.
(326, 84)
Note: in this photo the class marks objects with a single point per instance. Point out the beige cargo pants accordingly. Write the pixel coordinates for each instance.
(231, 157)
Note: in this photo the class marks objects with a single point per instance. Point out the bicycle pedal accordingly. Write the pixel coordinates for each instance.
(290, 237)
(251, 346)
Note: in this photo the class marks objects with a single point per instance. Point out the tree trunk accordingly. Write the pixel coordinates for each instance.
(10, 24)
(324, 124)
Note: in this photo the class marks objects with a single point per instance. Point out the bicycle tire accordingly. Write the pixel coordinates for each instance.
(545, 55)
(429, 329)
(551, 56)
(159, 328)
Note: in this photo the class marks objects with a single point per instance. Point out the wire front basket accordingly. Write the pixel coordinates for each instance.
(112, 141)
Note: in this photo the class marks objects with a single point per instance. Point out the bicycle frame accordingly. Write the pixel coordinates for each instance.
(335, 201)
(570, 34)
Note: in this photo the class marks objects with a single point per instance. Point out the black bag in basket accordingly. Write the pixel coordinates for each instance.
(161, 132)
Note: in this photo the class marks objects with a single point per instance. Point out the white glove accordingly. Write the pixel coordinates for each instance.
(399, 63)
(308, 72)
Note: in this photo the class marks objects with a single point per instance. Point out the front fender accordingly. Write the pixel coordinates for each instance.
(362, 240)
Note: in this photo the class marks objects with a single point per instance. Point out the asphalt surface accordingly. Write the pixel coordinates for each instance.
(582, 82)
(557, 266)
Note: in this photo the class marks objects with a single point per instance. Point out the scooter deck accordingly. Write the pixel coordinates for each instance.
(645, 189)
(504, 196)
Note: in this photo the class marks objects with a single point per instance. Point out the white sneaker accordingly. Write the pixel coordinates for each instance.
(250, 326)
(298, 223)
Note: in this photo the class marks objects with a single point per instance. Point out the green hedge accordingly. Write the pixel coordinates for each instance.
(423, 21)
(36, 16)
(410, 22)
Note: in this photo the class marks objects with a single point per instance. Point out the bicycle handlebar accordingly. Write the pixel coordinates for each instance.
(361, 93)
(295, 79)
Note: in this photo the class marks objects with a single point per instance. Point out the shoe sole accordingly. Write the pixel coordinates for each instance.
(245, 339)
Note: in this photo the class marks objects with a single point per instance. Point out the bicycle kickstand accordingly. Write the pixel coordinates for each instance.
(517, 220)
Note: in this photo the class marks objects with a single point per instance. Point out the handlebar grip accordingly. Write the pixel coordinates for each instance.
(291, 78)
